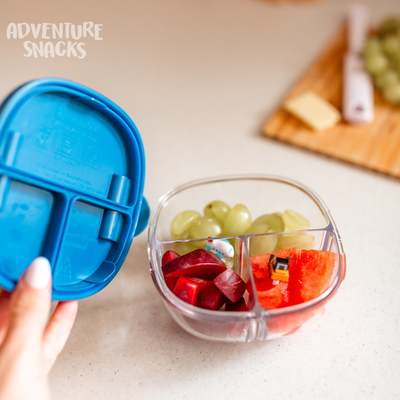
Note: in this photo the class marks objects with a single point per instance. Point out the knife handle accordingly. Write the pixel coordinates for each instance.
(358, 92)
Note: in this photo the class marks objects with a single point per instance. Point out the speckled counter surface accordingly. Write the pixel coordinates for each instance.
(199, 78)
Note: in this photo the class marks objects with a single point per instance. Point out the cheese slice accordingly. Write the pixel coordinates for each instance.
(313, 110)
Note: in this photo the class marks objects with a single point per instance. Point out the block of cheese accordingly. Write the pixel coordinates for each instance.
(313, 110)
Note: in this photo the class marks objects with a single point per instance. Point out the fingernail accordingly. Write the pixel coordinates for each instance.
(38, 274)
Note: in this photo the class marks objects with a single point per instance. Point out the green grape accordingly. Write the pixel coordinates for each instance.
(183, 248)
(217, 209)
(204, 227)
(392, 94)
(396, 57)
(263, 244)
(238, 221)
(229, 262)
(279, 214)
(386, 79)
(390, 25)
(181, 224)
(301, 240)
(372, 46)
(274, 221)
(391, 44)
(295, 221)
(375, 64)
(260, 227)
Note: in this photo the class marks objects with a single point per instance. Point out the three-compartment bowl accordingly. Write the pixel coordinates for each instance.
(261, 194)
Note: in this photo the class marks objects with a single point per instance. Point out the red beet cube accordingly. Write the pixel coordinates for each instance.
(199, 263)
(188, 289)
(168, 256)
(211, 298)
(240, 305)
(230, 284)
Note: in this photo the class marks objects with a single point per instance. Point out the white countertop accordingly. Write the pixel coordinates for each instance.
(199, 78)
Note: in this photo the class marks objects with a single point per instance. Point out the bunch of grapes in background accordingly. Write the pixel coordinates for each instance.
(382, 59)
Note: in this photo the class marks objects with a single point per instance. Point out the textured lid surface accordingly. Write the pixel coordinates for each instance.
(72, 172)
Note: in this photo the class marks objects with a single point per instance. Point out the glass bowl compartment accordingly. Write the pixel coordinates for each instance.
(261, 194)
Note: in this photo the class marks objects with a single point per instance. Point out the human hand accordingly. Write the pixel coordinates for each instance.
(29, 341)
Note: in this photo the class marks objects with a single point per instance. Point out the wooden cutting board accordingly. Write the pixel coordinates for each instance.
(375, 146)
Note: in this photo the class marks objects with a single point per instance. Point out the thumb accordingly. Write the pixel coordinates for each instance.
(30, 305)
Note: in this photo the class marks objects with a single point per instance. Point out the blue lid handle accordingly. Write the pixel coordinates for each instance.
(118, 192)
(143, 217)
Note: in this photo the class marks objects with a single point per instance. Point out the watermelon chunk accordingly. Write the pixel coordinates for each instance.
(259, 264)
(276, 297)
(310, 272)
(272, 296)
(315, 271)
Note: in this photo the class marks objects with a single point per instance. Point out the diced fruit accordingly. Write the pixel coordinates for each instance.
(240, 305)
(181, 224)
(211, 298)
(275, 297)
(230, 284)
(171, 283)
(310, 272)
(315, 272)
(223, 284)
(259, 264)
(199, 263)
(169, 256)
(188, 289)
(272, 296)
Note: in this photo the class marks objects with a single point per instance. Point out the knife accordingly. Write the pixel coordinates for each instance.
(358, 92)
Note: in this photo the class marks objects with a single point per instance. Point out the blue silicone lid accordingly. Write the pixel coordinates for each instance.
(72, 170)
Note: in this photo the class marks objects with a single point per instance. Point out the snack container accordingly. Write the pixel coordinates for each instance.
(261, 194)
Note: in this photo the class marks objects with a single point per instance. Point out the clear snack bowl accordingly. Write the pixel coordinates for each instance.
(261, 194)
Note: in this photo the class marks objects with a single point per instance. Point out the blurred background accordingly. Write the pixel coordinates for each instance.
(199, 79)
